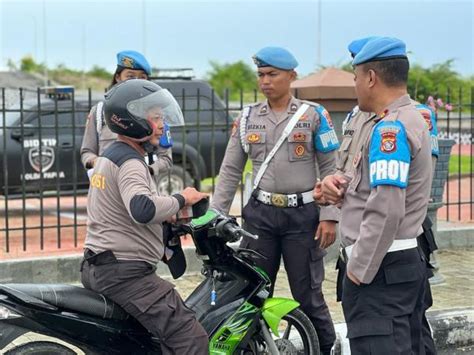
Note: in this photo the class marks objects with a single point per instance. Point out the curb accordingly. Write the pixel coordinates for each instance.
(453, 332)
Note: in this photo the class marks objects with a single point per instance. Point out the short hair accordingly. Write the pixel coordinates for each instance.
(393, 72)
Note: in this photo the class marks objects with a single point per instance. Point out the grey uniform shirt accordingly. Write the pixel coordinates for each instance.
(124, 211)
(373, 216)
(297, 164)
(94, 144)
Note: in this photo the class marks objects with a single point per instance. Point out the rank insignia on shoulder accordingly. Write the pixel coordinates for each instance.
(299, 150)
(253, 138)
(235, 125)
(299, 137)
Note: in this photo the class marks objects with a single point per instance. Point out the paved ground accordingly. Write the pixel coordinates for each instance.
(457, 290)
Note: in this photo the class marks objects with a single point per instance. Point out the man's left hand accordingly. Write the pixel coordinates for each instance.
(326, 233)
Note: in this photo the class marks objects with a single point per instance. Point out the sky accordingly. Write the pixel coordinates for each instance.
(180, 33)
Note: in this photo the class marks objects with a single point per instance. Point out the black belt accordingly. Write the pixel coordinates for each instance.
(102, 258)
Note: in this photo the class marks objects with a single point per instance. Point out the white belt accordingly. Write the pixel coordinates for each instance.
(397, 245)
(283, 200)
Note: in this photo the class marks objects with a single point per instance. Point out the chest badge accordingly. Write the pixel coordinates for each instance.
(253, 138)
(389, 142)
(299, 137)
(299, 150)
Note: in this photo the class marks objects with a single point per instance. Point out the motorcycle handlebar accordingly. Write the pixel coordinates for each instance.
(236, 232)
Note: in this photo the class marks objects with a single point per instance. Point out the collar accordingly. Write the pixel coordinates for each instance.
(292, 107)
(403, 100)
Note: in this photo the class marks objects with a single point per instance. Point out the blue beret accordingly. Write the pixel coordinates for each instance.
(381, 48)
(133, 60)
(276, 57)
(355, 46)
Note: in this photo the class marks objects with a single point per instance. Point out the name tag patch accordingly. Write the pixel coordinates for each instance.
(389, 155)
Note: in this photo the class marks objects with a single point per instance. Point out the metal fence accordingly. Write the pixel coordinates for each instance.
(43, 184)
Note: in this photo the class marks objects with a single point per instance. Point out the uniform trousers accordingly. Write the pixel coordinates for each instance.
(379, 315)
(151, 300)
(289, 232)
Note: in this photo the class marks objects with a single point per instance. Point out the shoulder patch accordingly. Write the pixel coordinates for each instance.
(430, 119)
(389, 155)
(325, 138)
(120, 152)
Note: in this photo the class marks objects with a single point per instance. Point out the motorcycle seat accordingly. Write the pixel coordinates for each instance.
(68, 297)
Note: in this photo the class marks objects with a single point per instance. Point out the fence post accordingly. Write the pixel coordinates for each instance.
(436, 202)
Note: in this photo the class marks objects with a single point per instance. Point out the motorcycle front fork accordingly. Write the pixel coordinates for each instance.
(268, 338)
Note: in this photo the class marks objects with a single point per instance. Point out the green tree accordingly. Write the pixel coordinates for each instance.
(99, 72)
(28, 64)
(236, 77)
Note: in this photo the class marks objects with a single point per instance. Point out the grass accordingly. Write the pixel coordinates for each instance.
(466, 163)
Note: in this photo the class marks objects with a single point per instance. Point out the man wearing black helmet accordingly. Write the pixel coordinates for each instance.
(124, 239)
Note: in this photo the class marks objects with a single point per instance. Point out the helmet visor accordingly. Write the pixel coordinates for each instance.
(160, 104)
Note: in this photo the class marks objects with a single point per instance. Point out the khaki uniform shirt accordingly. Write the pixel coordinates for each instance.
(389, 200)
(94, 144)
(296, 165)
(124, 211)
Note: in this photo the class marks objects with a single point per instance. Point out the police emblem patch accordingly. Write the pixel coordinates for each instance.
(427, 116)
(328, 118)
(41, 161)
(293, 107)
(299, 150)
(127, 62)
(304, 117)
(299, 137)
(388, 142)
(253, 138)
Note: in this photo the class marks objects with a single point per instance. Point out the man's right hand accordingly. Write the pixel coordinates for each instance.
(333, 188)
(191, 195)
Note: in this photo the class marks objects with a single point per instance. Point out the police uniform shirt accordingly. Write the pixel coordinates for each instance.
(308, 153)
(95, 142)
(387, 195)
(124, 209)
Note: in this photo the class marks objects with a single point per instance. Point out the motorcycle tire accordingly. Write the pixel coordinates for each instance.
(40, 348)
(306, 342)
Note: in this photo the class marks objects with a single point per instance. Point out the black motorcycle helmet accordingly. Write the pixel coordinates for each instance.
(128, 105)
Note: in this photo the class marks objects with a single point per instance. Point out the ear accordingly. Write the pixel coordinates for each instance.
(372, 78)
(293, 75)
(117, 77)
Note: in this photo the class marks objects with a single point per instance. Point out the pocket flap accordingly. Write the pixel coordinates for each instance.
(255, 137)
(370, 326)
(299, 136)
(402, 273)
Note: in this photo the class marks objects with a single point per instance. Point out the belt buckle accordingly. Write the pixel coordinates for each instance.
(279, 200)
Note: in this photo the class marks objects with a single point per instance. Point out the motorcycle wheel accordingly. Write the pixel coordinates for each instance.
(297, 336)
(40, 348)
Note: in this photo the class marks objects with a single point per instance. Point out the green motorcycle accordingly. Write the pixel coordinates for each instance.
(233, 302)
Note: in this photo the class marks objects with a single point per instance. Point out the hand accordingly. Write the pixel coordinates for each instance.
(333, 188)
(318, 194)
(191, 195)
(353, 278)
(326, 233)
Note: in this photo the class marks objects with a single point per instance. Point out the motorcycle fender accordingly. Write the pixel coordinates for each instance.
(274, 309)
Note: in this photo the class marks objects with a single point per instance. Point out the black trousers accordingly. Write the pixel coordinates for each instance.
(289, 232)
(149, 299)
(379, 315)
(427, 243)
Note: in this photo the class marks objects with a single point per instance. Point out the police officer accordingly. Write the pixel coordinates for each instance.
(426, 239)
(381, 188)
(281, 210)
(97, 136)
(124, 239)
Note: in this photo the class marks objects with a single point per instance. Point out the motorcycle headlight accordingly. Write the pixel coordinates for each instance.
(6, 313)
